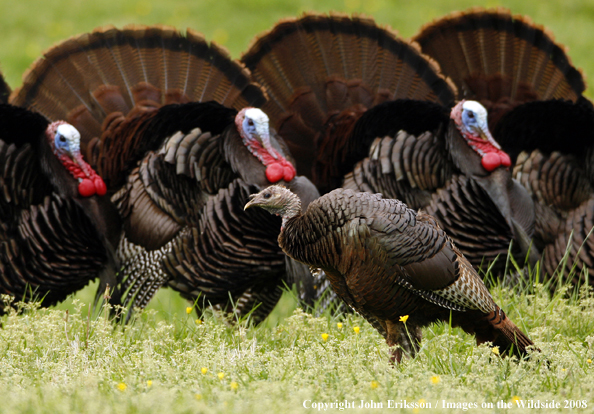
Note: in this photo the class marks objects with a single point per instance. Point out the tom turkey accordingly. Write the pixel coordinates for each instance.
(58, 230)
(390, 263)
(537, 111)
(158, 112)
(361, 108)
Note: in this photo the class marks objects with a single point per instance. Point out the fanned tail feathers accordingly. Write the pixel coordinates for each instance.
(492, 56)
(101, 80)
(319, 68)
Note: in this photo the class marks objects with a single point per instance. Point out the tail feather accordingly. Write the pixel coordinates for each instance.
(506, 334)
(491, 55)
(89, 76)
(318, 68)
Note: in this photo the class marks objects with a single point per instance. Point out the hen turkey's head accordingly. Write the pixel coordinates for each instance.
(64, 140)
(471, 120)
(277, 200)
(252, 125)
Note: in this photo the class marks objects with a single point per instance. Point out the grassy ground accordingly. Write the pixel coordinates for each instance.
(53, 361)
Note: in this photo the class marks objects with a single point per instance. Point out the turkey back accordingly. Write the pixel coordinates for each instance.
(322, 72)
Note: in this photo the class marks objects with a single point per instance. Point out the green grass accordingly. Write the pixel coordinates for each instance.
(53, 361)
(57, 361)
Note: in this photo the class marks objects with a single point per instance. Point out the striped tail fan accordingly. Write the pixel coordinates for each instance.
(500, 59)
(322, 72)
(99, 80)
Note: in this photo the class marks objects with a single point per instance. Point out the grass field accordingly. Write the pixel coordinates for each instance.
(58, 361)
(53, 361)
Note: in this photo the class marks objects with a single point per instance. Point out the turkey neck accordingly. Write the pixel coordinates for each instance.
(62, 181)
(99, 209)
(298, 230)
(513, 202)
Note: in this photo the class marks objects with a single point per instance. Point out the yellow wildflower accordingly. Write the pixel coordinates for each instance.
(435, 379)
(221, 375)
(589, 361)
(339, 325)
(189, 310)
(198, 321)
(204, 370)
(234, 385)
(495, 350)
(324, 337)
(374, 385)
(198, 396)
(515, 399)
(149, 383)
(404, 318)
(122, 386)
(356, 329)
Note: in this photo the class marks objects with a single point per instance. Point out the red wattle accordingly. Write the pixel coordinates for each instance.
(289, 173)
(100, 186)
(491, 161)
(275, 172)
(86, 188)
(505, 159)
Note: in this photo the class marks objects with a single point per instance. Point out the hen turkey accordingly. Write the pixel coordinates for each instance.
(158, 112)
(397, 268)
(58, 231)
(536, 108)
(361, 108)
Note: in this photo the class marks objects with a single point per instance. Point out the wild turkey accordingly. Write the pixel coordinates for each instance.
(358, 101)
(389, 263)
(58, 231)
(536, 108)
(156, 111)
(4, 90)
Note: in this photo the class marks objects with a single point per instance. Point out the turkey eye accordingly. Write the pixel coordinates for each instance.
(250, 122)
(62, 139)
(267, 195)
(470, 115)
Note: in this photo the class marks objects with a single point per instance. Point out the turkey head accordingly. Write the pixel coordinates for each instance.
(64, 141)
(253, 128)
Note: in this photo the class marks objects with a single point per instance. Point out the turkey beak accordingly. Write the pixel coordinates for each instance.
(264, 134)
(485, 134)
(251, 202)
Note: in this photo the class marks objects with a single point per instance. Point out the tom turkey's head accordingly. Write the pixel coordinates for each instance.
(253, 128)
(470, 118)
(278, 200)
(64, 140)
